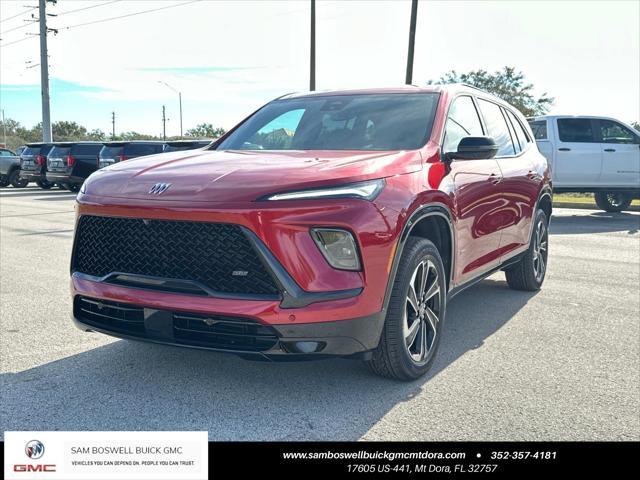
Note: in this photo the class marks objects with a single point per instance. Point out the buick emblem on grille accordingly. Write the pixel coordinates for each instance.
(159, 188)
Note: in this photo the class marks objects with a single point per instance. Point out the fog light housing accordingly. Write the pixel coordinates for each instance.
(338, 247)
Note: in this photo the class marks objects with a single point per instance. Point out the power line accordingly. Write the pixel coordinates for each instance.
(17, 15)
(31, 22)
(86, 8)
(128, 15)
(17, 41)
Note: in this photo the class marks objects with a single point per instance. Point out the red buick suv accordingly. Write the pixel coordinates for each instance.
(325, 224)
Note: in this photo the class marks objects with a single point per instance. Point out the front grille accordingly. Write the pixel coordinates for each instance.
(217, 255)
(190, 329)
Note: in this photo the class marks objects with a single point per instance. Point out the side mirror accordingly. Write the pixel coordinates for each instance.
(474, 148)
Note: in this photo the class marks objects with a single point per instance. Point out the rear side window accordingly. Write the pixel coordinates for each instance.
(6, 153)
(613, 132)
(539, 129)
(578, 130)
(521, 135)
(497, 127)
(86, 149)
(462, 121)
(138, 150)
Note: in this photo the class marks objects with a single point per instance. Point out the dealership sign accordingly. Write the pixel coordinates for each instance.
(106, 455)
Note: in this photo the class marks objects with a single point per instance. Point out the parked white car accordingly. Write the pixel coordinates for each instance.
(591, 154)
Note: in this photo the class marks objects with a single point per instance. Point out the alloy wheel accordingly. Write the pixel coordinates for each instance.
(422, 311)
(540, 250)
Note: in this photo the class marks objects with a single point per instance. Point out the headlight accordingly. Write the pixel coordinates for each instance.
(365, 190)
(338, 247)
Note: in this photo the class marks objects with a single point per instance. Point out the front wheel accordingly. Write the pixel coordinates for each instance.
(415, 315)
(613, 201)
(530, 271)
(4, 180)
(16, 181)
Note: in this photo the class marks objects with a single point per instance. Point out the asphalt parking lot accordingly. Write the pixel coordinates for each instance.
(561, 364)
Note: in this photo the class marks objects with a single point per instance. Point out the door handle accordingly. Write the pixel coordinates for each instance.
(609, 149)
(495, 179)
(564, 149)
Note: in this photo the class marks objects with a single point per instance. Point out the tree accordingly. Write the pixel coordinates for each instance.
(507, 84)
(636, 125)
(68, 131)
(205, 130)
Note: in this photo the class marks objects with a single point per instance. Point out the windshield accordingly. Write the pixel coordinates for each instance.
(338, 122)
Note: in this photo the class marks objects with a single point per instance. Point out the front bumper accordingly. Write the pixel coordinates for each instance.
(346, 338)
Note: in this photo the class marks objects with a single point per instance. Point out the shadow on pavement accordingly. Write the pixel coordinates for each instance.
(130, 386)
(596, 222)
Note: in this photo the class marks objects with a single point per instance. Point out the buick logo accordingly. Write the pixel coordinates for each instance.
(34, 449)
(159, 188)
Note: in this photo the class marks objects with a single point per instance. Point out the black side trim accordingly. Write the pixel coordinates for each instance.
(469, 283)
(292, 295)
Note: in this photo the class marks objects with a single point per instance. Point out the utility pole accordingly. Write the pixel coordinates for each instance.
(113, 125)
(412, 41)
(179, 101)
(4, 128)
(312, 62)
(164, 125)
(44, 72)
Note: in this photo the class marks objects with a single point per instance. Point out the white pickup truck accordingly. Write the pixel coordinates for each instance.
(591, 154)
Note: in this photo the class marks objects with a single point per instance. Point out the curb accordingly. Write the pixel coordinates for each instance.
(589, 206)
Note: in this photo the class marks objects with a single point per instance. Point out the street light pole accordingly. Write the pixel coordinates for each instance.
(312, 52)
(412, 41)
(179, 100)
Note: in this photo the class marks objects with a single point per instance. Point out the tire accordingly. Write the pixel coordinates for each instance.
(16, 181)
(529, 273)
(61, 186)
(613, 201)
(73, 187)
(4, 180)
(422, 326)
(44, 184)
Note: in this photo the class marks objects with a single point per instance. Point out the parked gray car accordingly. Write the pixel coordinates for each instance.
(10, 169)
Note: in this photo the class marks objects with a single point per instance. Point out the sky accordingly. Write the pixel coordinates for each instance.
(228, 58)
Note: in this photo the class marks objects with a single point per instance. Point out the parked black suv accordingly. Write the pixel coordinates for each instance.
(70, 163)
(178, 145)
(113, 152)
(33, 164)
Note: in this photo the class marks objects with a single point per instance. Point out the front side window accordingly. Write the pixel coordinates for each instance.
(613, 132)
(497, 127)
(578, 130)
(539, 129)
(338, 122)
(462, 121)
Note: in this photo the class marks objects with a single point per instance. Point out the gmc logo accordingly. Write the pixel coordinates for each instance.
(34, 468)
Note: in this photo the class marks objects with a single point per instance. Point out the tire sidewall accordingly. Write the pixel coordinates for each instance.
(416, 250)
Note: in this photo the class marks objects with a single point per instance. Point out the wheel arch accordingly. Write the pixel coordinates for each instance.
(434, 222)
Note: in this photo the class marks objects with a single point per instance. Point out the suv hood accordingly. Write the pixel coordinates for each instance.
(242, 176)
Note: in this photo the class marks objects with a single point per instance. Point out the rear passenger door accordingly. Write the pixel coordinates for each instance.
(620, 154)
(578, 153)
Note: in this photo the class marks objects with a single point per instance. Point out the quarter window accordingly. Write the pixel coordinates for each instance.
(521, 135)
(613, 132)
(463, 121)
(497, 127)
(579, 130)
